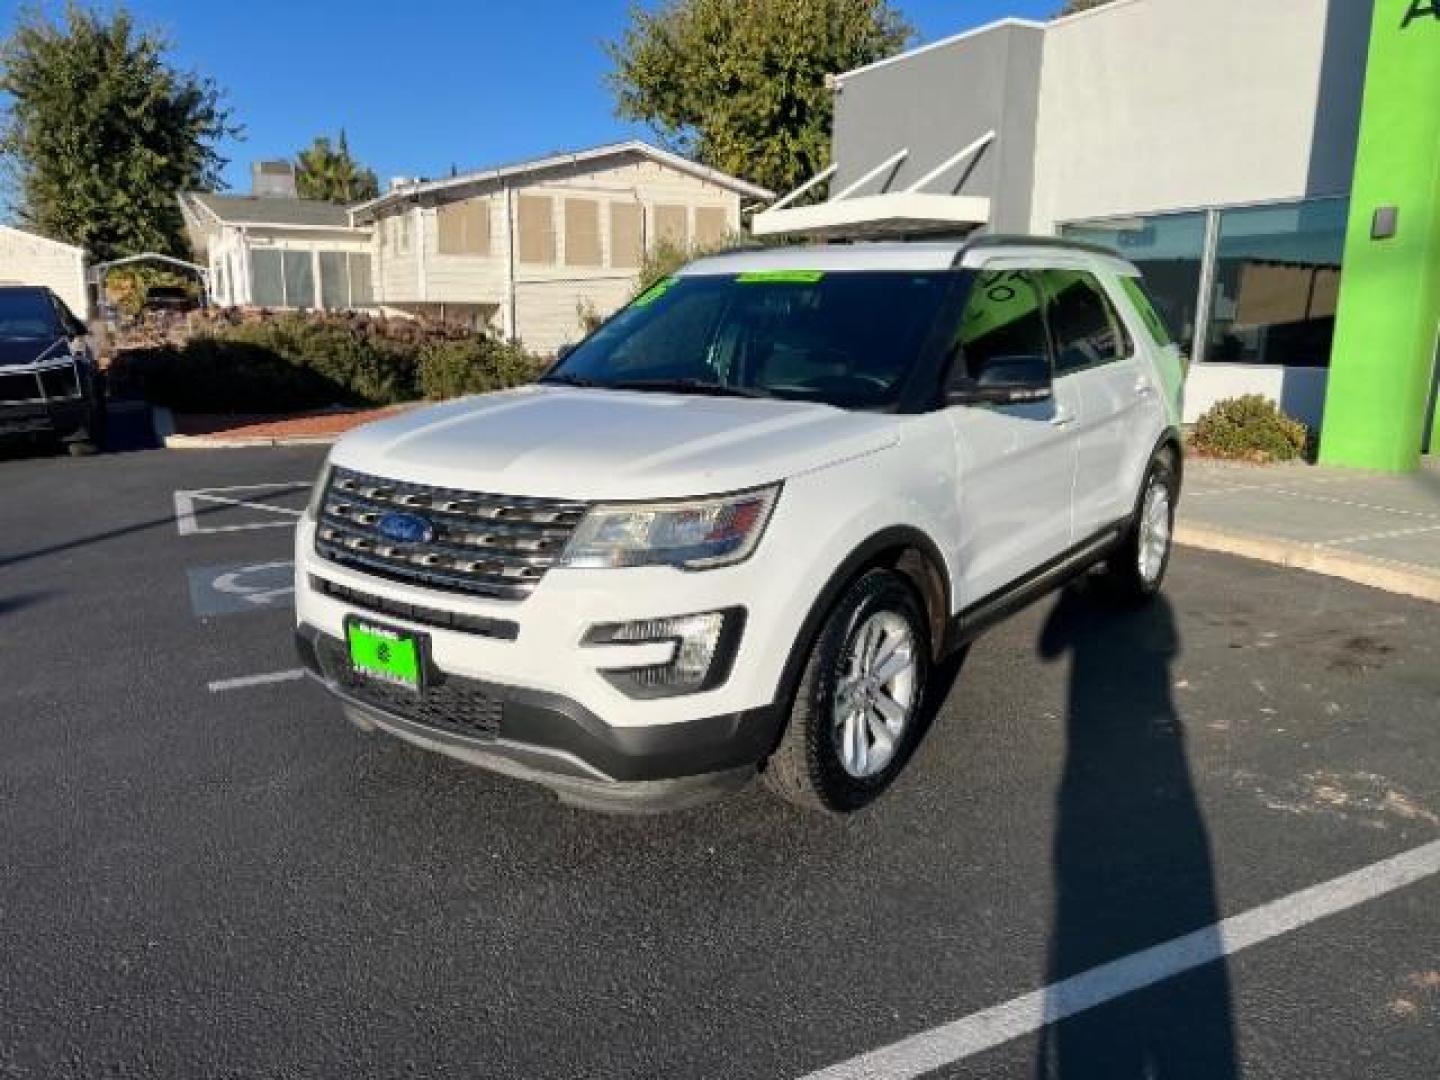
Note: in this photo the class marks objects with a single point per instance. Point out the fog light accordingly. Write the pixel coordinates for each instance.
(704, 651)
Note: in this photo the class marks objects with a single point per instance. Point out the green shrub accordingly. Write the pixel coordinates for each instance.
(1249, 428)
(295, 362)
(472, 366)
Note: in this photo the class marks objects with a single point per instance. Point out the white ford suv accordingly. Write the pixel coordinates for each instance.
(737, 527)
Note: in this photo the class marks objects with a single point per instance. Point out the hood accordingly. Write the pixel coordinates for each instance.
(564, 442)
(26, 350)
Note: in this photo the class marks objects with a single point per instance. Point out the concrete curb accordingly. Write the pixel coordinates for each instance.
(1392, 577)
(222, 442)
(163, 422)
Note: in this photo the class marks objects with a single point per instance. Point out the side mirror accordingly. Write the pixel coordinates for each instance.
(1004, 380)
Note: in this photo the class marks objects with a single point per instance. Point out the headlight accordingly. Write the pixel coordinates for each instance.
(317, 493)
(697, 534)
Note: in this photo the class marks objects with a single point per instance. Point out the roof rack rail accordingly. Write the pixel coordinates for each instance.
(986, 240)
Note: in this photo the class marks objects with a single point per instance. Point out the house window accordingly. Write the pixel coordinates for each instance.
(299, 269)
(361, 293)
(537, 229)
(582, 232)
(463, 227)
(627, 225)
(267, 280)
(712, 225)
(334, 280)
(672, 226)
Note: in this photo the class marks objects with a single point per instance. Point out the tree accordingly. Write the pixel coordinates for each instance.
(101, 133)
(332, 174)
(740, 84)
(1072, 6)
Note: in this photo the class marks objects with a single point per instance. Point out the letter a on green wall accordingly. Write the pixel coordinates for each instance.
(1382, 369)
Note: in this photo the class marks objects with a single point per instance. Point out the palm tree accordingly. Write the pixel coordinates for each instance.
(332, 174)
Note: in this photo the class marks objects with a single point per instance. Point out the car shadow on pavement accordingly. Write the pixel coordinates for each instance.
(1131, 852)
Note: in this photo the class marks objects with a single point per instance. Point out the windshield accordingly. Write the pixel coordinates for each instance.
(26, 314)
(845, 339)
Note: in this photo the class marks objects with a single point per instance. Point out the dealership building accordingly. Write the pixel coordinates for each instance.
(1273, 166)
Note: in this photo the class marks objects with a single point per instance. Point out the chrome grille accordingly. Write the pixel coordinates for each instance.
(488, 545)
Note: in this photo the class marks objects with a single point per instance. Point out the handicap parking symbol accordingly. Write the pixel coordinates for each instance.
(229, 590)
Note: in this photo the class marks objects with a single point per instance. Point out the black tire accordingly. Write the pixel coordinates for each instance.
(807, 768)
(1127, 577)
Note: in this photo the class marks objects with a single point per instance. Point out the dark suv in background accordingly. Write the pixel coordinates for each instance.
(50, 385)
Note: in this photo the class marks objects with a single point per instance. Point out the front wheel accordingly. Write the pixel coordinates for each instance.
(854, 720)
(1137, 567)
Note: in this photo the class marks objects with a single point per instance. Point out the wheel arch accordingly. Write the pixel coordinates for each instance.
(906, 550)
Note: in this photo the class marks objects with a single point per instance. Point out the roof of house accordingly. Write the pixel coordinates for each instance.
(263, 210)
(576, 157)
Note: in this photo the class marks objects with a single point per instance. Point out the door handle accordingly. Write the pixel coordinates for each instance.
(1063, 418)
(1143, 388)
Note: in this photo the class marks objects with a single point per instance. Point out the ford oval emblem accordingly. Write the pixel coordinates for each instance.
(405, 528)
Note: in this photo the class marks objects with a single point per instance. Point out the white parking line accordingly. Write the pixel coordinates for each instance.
(971, 1035)
(243, 681)
(186, 523)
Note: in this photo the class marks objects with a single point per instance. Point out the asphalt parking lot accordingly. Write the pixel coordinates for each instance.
(205, 871)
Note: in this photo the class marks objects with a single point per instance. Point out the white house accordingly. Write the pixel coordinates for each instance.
(29, 259)
(273, 249)
(521, 248)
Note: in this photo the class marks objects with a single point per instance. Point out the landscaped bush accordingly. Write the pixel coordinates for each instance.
(296, 362)
(1249, 428)
(472, 366)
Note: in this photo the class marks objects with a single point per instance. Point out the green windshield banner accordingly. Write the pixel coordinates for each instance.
(1382, 369)
(779, 277)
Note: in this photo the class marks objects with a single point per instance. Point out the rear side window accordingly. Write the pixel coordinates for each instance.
(1002, 333)
(1087, 331)
(1149, 313)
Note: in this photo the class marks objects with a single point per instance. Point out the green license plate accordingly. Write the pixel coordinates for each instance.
(378, 652)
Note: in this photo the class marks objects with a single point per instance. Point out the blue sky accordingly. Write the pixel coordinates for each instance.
(422, 85)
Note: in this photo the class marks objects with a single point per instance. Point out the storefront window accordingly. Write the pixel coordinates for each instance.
(1169, 250)
(1277, 281)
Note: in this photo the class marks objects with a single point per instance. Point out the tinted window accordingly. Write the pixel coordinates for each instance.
(1002, 332)
(1087, 333)
(1277, 283)
(1149, 314)
(846, 338)
(27, 313)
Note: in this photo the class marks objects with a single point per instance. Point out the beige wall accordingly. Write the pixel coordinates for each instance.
(26, 259)
(546, 293)
(1147, 105)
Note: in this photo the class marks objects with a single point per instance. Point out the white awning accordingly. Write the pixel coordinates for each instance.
(898, 213)
(912, 212)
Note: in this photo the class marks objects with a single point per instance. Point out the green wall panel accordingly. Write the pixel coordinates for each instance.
(1382, 365)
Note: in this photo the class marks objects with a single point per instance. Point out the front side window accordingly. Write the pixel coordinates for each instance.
(1002, 332)
(1087, 332)
(847, 339)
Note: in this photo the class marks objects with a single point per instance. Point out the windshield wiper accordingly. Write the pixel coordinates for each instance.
(571, 380)
(689, 386)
